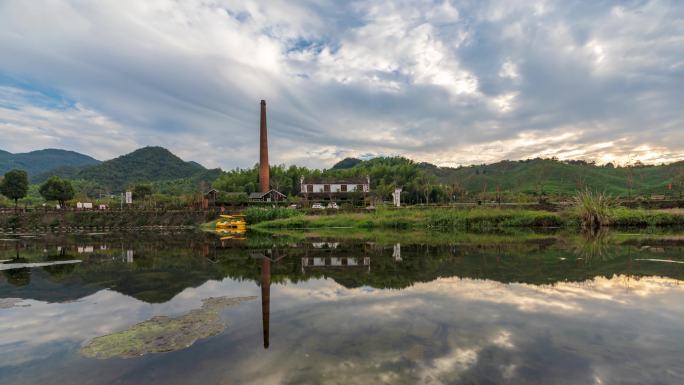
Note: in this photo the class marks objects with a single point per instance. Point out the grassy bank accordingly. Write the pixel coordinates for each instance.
(479, 219)
(439, 219)
(624, 217)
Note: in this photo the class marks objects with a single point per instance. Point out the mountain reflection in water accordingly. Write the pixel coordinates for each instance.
(537, 308)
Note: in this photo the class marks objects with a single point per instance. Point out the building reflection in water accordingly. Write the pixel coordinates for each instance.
(325, 255)
(271, 256)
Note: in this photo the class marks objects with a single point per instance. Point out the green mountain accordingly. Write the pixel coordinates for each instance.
(37, 162)
(148, 164)
(530, 176)
(346, 163)
(564, 178)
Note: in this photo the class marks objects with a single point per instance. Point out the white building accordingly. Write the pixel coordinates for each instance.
(333, 189)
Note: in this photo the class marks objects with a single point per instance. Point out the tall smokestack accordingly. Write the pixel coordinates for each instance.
(264, 177)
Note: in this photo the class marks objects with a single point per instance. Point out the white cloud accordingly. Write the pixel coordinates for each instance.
(432, 80)
(509, 70)
(23, 123)
(504, 102)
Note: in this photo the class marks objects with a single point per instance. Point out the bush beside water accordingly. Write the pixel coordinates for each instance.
(255, 215)
(593, 208)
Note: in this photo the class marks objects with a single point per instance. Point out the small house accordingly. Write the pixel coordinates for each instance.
(211, 195)
(269, 196)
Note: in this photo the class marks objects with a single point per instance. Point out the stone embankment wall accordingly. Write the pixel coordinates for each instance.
(56, 221)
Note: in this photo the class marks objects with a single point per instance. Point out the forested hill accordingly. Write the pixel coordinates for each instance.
(536, 175)
(148, 164)
(564, 178)
(155, 165)
(172, 175)
(36, 162)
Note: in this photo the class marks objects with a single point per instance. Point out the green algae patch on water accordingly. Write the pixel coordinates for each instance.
(163, 334)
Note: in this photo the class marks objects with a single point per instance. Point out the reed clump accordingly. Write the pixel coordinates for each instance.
(594, 209)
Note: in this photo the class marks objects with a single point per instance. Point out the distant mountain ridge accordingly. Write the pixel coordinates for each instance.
(155, 165)
(40, 161)
(547, 176)
(142, 165)
(171, 174)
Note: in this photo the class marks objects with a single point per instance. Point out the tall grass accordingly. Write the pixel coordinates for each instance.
(594, 209)
(260, 214)
(439, 219)
(591, 212)
(646, 218)
(488, 219)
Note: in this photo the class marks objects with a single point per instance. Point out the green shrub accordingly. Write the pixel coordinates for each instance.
(259, 214)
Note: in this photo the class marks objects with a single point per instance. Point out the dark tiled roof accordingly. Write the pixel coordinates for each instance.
(322, 180)
(259, 195)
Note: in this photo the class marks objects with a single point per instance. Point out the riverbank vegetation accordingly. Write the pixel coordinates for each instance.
(173, 182)
(523, 181)
(260, 214)
(439, 219)
(476, 219)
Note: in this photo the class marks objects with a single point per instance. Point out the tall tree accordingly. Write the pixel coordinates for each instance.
(141, 191)
(57, 189)
(15, 185)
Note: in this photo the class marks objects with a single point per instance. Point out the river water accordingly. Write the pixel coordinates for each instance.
(375, 308)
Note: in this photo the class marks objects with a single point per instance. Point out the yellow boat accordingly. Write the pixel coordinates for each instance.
(232, 223)
(229, 234)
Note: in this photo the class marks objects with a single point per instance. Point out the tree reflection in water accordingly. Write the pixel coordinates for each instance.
(476, 303)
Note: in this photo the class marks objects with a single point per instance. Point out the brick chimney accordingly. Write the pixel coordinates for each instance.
(264, 177)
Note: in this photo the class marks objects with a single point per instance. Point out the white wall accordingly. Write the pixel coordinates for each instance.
(319, 188)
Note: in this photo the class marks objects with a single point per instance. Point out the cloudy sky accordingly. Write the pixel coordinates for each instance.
(449, 82)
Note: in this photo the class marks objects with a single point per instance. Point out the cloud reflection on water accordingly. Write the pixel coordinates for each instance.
(444, 331)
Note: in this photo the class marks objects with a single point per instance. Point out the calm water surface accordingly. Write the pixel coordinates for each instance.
(395, 309)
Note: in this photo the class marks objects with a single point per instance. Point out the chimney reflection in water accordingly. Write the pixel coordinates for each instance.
(265, 296)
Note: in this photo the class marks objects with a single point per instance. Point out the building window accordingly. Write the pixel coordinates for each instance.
(359, 187)
(326, 188)
(343, 188)
(309, 188)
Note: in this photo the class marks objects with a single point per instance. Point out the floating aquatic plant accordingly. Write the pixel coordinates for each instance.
(163, 334)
